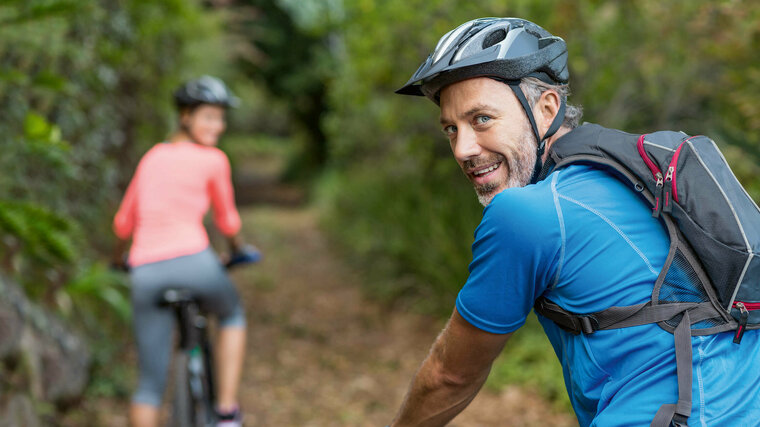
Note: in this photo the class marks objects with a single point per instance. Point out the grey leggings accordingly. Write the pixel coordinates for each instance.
(202, 274)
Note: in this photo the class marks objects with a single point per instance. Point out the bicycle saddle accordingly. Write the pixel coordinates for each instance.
(177, 296)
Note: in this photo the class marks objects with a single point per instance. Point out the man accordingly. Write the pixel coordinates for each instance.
(579, 237)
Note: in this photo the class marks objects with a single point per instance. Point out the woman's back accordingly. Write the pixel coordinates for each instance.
(168, 197)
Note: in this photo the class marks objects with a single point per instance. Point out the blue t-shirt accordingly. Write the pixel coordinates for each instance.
(587, 242)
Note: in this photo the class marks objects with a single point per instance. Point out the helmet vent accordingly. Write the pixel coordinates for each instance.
(494, 37)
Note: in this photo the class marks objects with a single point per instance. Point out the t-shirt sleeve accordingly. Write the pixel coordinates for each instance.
(226, 215)
(514, 258)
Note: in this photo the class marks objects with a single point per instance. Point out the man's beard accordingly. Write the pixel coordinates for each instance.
(520, 165)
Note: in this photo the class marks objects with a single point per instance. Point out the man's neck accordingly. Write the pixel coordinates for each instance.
(549, 142)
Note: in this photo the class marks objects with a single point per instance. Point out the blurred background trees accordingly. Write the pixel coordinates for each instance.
(85, 87)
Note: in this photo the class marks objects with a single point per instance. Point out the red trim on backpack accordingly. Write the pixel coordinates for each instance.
(748, 305)
(652, 166)
(674, 165)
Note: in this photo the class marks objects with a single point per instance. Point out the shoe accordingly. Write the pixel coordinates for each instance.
(231, 419)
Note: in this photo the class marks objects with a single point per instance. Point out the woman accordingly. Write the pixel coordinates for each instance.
(162, 212)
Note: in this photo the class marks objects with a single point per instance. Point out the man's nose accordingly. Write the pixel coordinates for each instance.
(466, 146)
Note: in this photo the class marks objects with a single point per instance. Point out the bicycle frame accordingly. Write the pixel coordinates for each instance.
(195, 386)
(195, 393)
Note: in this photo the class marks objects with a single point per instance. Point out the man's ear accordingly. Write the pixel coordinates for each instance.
(546, 108)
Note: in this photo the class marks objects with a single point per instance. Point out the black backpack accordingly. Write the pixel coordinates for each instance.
(710, 282)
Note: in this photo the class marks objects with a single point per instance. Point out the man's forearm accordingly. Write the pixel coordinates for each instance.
(451, 375)
(435, 396)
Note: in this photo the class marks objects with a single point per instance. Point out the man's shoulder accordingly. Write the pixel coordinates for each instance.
(527, 211)
(537, 204)
(521, 200)
(577, 176)
(586, 179)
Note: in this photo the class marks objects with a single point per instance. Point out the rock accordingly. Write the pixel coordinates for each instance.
(47, 361)
(18, 412)
(11, 319)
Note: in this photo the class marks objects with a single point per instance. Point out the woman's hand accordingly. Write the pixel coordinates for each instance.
(118, 257)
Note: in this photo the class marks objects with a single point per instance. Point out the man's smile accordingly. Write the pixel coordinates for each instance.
(481, 175)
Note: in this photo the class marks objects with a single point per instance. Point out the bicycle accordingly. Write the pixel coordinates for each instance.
(194, 392)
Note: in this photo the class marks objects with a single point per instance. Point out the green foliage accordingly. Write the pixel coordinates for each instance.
(35, 241)
(38, 239)
(40, 243)
(100, 71)
(102, 289)
(398, 249)
(691, 69)
(290, 55)
(44, 235)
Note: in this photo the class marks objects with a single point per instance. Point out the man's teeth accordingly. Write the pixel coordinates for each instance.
(486, 170)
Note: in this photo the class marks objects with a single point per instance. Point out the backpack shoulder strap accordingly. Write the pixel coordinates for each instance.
(593, 143)
(620, 317)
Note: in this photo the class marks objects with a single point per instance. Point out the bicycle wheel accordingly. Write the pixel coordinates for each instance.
(183, 413)
(200, 393)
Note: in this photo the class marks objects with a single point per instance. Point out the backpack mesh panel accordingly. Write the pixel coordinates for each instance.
(714, 256)
(682, 284)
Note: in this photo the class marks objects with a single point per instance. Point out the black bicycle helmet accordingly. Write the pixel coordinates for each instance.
(506, 49)
(204, 90)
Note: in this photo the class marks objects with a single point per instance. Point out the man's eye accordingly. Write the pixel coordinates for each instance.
(449, 130)
(482, 119)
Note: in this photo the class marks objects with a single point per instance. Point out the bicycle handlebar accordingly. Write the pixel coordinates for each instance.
(246, 255)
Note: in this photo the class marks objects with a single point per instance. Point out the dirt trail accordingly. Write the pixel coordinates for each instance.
(320, 354)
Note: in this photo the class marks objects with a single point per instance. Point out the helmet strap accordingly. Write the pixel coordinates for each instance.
(541, 140)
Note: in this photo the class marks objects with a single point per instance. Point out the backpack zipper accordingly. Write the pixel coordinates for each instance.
(656, 174)
(671, 192)
(744, 308)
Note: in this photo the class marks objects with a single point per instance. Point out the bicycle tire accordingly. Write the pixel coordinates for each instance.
(201, 388)
(183, 412)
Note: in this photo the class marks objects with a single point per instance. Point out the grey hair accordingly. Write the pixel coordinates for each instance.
(533, 88)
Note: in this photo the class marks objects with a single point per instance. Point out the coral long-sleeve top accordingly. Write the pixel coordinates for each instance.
(171, 191)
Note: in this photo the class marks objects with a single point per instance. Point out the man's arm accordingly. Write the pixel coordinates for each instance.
(457, 366)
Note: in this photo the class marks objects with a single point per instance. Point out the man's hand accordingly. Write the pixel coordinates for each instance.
(451, 376)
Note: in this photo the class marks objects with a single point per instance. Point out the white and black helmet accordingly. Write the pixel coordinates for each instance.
(205, 90)
(505, 49)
